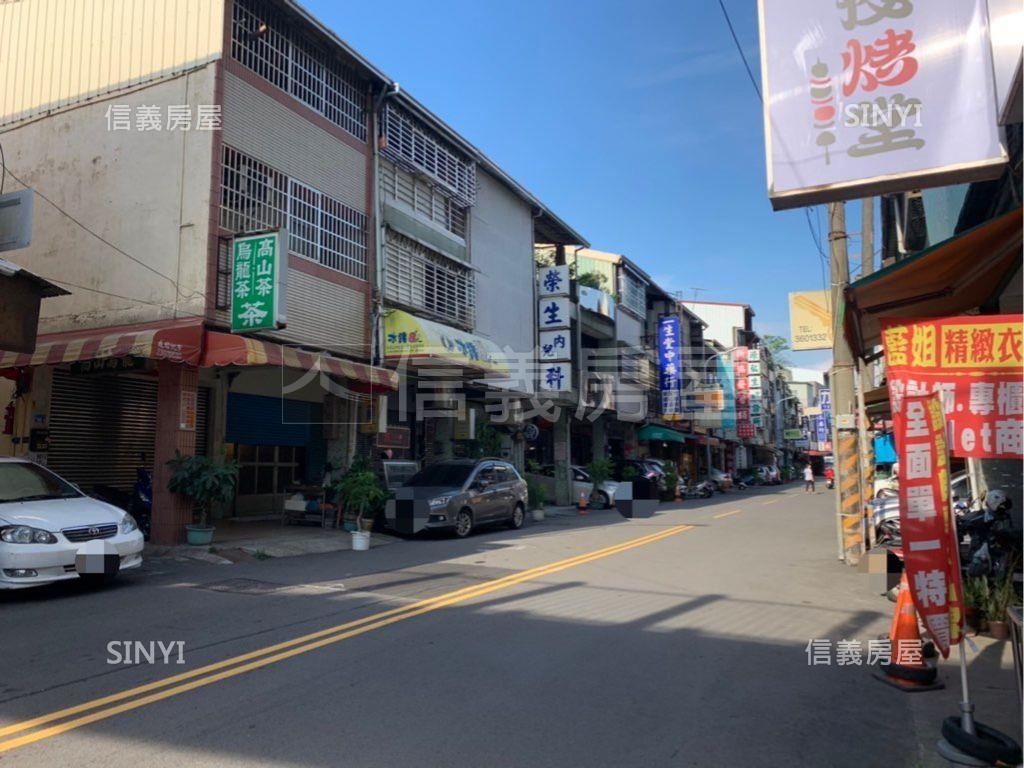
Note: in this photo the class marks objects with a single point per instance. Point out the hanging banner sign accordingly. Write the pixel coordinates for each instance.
(553, 281)
(863, 98)
(974, 363)
(930, 554)
(259, 270)
(670, 372)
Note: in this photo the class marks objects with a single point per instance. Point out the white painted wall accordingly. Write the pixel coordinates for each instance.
(501, 249)
(145, 193)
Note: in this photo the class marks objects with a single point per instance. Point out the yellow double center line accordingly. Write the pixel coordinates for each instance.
(124, 701)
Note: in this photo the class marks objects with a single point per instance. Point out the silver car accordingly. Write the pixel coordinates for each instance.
(459, 495)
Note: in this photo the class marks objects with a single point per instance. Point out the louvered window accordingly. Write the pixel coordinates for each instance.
(281, 56)
(418, 278)
(412, 145)
(422, 198)
(632, 294)
(255, 197)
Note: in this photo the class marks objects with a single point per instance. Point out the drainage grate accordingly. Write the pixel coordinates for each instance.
(242, 586)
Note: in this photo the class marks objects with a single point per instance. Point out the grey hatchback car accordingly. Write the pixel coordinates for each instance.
(464, 493)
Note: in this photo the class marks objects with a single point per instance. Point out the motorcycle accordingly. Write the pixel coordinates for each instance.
(702, 490)
(988, 542)
(138, 503)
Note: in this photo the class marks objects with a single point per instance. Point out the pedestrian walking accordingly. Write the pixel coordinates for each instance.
(808, 479)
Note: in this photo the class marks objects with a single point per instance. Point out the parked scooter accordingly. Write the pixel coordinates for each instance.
(138, 503)
(702, 490)
(988, 536)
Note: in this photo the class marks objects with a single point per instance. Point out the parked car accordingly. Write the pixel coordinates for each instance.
(649, 469)
(721, 480)
(51, 531)
(466, 493)
(581, 484)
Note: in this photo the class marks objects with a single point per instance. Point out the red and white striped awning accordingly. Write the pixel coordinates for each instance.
(223, 349)
(190, 344)
(179, 343)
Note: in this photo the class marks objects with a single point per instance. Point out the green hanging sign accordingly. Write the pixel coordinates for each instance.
(258, 270)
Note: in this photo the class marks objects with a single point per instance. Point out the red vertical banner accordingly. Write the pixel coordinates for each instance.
(930, 554)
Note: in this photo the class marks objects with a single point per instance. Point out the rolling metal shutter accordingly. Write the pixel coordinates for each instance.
(101, 425)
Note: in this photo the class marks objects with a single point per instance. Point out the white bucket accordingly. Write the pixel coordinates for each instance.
(360, 540)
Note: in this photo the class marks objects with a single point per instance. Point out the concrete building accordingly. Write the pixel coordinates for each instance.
(250, 117)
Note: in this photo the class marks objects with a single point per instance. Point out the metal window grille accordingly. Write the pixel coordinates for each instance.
(413, 146)
(423, 198)
(422, 279)
(632, 294)
(255, 197)
(281, 56)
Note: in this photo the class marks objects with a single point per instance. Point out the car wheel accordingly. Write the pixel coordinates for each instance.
(518, 516)
(463, 523)
(601, 500)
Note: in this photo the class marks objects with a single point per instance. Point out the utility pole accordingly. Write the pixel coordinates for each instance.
(867, 448)
(846, 459)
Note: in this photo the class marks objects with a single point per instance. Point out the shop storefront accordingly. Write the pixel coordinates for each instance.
(98, 406)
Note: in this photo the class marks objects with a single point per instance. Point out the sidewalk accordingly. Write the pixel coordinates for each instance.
(242, 541)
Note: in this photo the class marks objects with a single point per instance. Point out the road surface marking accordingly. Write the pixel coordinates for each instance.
(726, 514)
(770, 501)
(295, 647)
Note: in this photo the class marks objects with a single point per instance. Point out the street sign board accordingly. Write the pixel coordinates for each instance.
(810, 320)
(877, 97)
(258, 276)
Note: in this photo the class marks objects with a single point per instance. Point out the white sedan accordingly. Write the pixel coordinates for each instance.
(581, 484)
(51, 531)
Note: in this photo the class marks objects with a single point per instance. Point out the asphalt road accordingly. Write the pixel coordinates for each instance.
(674, 641)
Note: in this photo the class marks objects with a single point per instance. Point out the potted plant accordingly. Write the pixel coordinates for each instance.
(600, 471)
(1000, 596)
(206, 482)
(671, 481)
(976, 603)
(362, 494)
(536, 498)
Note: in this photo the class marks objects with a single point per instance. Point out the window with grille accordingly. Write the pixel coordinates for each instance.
(421, 197)
(279, 54)
(255, 197)
(421, 279)
(412, 145)
(632, 294)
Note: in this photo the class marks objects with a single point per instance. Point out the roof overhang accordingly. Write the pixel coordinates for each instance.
(956, 276)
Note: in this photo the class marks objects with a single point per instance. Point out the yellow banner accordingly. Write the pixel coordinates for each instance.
(810, 320)
(408, 336)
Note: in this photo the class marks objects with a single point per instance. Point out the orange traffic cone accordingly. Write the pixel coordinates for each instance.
(907, 668)
(581, 505)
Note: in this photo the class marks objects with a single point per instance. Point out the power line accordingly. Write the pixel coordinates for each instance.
(102, 239)
(739, 49)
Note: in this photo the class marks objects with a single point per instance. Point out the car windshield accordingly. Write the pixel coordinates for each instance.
(21, 481)
(437, 475)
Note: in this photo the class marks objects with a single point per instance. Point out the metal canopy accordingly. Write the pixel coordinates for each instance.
(953, 277)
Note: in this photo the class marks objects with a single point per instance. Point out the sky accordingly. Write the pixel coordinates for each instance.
(635, 122)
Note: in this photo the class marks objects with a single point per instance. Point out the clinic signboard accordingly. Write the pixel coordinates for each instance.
(864, 98)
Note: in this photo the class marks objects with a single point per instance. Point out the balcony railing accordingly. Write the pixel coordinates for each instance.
(597, 301)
